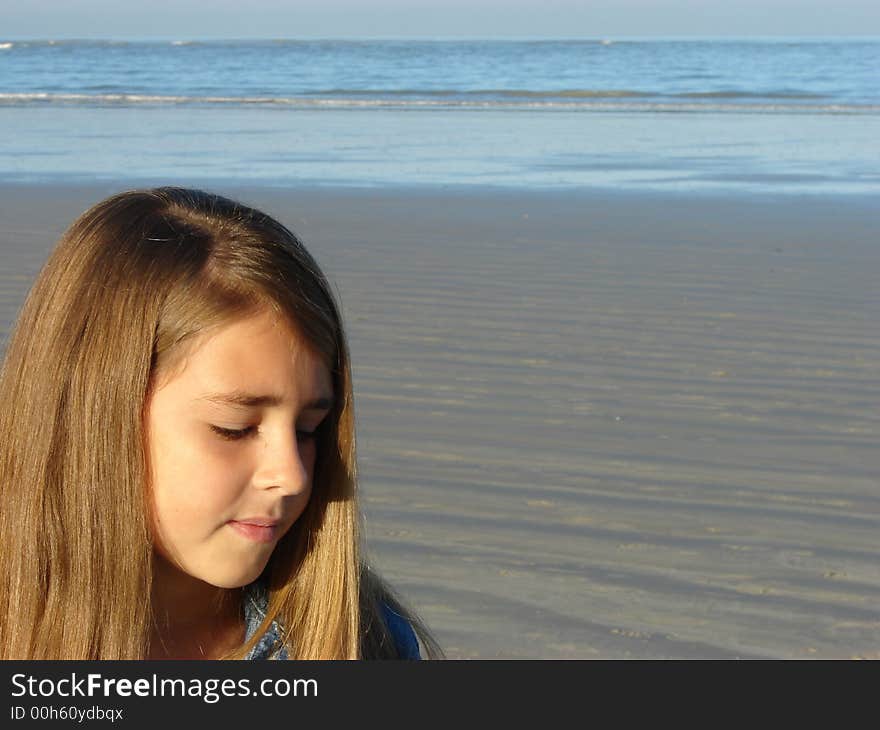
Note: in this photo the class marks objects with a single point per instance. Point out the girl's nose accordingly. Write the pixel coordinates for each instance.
(285, 465)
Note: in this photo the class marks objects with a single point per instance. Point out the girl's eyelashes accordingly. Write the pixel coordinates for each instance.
(303, 436)
(233, 434)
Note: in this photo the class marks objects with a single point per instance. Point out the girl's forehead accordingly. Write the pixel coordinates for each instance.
(261, 348)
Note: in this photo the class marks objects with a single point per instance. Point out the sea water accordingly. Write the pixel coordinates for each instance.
(785, 115)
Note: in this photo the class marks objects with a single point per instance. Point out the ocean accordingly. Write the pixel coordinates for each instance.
(781, 115)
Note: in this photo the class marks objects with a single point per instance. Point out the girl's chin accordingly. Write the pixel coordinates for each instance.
(230, 580)
(224, 579)
(237, 578)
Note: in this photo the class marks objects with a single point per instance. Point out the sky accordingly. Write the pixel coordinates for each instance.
(192, 19)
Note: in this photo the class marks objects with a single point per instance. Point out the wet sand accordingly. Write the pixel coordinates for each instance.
(593, 424)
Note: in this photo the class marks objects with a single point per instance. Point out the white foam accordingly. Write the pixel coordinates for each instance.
(585, 105)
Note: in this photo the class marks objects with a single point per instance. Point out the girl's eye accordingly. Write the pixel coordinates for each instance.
(232, 434)
(303, 436)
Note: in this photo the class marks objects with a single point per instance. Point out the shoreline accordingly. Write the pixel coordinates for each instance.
(80, 184)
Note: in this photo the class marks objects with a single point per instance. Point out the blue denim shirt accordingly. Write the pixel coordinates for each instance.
(255, 603)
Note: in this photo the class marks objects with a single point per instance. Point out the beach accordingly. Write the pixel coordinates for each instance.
(595, 423)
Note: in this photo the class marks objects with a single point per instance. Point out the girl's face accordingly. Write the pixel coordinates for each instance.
(231, 451)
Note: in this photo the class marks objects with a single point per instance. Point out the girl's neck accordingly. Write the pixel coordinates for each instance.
(192, 619)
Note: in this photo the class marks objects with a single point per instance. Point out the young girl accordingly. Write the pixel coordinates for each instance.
(177, 452)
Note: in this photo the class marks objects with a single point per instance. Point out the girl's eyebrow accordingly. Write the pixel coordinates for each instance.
(247, 400)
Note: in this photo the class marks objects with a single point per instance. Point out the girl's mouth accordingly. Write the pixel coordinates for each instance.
(257, 531)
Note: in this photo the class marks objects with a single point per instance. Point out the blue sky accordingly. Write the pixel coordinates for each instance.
(186, 19)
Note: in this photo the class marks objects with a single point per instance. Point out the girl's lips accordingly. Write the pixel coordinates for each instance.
(259, 531)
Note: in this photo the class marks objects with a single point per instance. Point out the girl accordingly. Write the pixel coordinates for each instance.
(177, 453)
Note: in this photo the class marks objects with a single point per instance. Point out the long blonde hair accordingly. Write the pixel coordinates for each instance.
(127, 288)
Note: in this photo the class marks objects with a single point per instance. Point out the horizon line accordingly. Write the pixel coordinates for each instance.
(596, 38)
